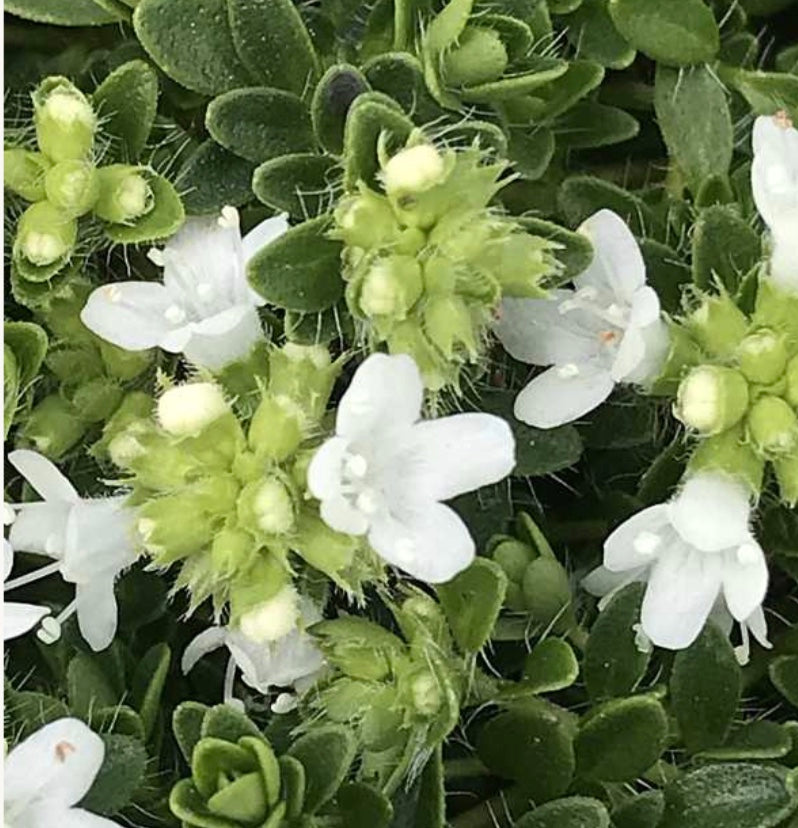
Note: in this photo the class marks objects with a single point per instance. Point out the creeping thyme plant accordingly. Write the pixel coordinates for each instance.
(401, 413)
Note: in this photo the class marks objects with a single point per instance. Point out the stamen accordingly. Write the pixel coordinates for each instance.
(782, 119)
(229, 218)
(30, 577)
(50, 629)
(112, 293)
(156, 256)
(63, 749)
(743, 652)
(229, 680)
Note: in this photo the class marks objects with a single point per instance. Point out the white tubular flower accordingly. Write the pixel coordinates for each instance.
(291, 661)
(609, 330)
(204, 308)
(774, 183)
(17, 618)
(46, 775)
(694, 552)
(385, 473)
(93, 540)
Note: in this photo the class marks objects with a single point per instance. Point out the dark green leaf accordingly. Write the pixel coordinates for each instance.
(592, 31)
(302, 184)
(213, 178)
(363, 806)
(570, 812)
(120, 774)
(88, 687)
(187, 726)
(334, 95)
(326, 754)
(550, 666)
(784, 675)
(590, 124)
(61, 13)
(148, 683)
(725, 248)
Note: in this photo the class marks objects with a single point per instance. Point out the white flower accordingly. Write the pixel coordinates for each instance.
(204, 308)
(608, 330)
(293, 660)
(92, 541)
(46, 775)
(693, 552)
(385, 472)
(17, 618)
(774, 183)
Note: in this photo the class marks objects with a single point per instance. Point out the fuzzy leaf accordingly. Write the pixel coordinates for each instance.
(334, 95)
(88, 687)
(570, 812)
(212, 178)
(573, 250)
(59, 13)
(431, 808)
(530, 149)
(301, 184)
(363, 806)
(590, 124)
(162, 221)
(783, 672)
(399, 75)
(593, 32)
(754, 740)
(641, 811)
(581, 196)
(326, 754)
(725, 248)
(187, 726)
(120, 774)
(148, 683)
(551, 666)
(224, 722)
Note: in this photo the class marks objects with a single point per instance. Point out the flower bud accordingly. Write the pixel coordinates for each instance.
(124, 196)
(718, 325)
(232, 552)
(773, 426)
(391, 287)
(448, 323)
(413, 170)
(731, 453)
(135, 407)
(408, 338)
(124, 365)
(762, 356)
(72, 186)
(792, 382)
(185, 410)
(425, 693)
(480, 56)
(45, 234)
(275, 431)
(97, 399)
(513, 556)
(712, 398)
(24, 171)
(65, 121)
(272, 619)
(266, 507)
(303, 375)
(54, 427)
(366, 220)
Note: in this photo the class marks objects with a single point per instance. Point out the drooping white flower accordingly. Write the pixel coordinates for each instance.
(17, 618)
(694, 552)
(47, 774)
(204, 308)
(292, 660)
(774, 183)
(607, 331)
(92, 540)
(385, 472)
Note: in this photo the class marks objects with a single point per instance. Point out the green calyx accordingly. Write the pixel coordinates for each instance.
(64, 119)
(45, 236)
(125, 194)
(24, 173)
(773, 426)
(72, 186)
(712, 398)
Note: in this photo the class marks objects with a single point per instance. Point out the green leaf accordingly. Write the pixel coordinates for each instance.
(613, 664)
(431, 808)
(447, 27)
(767, 92)
(335, 93)
(570, 812)
(120, 719)
(621, 739)
(530, 149)
(643, 810)
(705, 689)
(269, 766)
(60, 13)
(302, 184)
(29, 711)
(677, 33)
(583, 195)
(783, 671)
(187, 726)
(225, 722)
(574, 250)
(301, 270)
(148, 683)
(120, 775)
(88, 688)
(472, 602)
(28, 342)
(591, 30)
(551, 666)
(590, 124)
(212, 178)
(371, 115)
(292, 776)
(326, 754)
(259, 123)
(695, 121)
(363, 806)
(725, 248)
(754, 740)
(400, 76)
(536, 735)
(665, 272)
(541, 80)
(127, 101)
(738, 795)
(162, 221)
(557, 97)
(273, 43)
(191, 41)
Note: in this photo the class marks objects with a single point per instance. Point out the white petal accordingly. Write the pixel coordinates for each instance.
(47, 815)
(8, 558)
(325, 469)
(225, 338)
(536, 332)
(20, 618)
(264, 233)
(617, 266)
(340, 515)
(601, 581)
(439, 459)
(629, 355)
(43, 475)
(784, 258)
(385, 391)
(97, 613)
(711, 512)
(745, 579)
(41, 528)
(774, 172)
(645, 307)
(65, 756)
(758, 626)
(563, 394)
(206, 642)
(654, 342)
(639, 540)
(682, 588)
(430, 543)
(131, 315)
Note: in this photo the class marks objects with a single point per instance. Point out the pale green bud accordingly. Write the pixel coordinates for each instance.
(787, 475)
(762, 356)
(45, 234)
(72, 186)
(275, 431)
(272, 619)
(97, 399)
(366, 220)
(712, 398)
(773, 426)
(480, 56)
(54, 426)
(513, 557)
(122, 364)
(729, 452)
(448, 323)
(408, 338)
(185, 410)
(65, 121)
(425, 693)
(266, 507)
(391, 287)
(413, 170)
(718, 325)
(24, 171)
(262, 582)
(125, 194)
(792, 382)
(232, 552)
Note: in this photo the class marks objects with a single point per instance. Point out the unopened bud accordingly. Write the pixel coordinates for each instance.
(426, 694)
(272, 619)
(448, 324)
(391, 287)
(54, 426)
(186, 410)
(731, 453)
(97, 399)
(24, 171)
(65, 121)
(712, 398)
(366, 220)
(762, 356)
(413, 170)
(72, 186)
(232, 551)
(276, 428)
(480, 56)
(125, 194)
(45, 234)
(773, 426)
(266, 506)
(792, 382)
(718, 325)
(303, 375)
